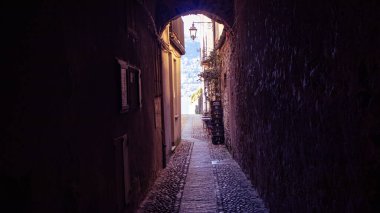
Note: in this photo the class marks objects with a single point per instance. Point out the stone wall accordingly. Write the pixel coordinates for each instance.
(304, 102)
(225, 86)
(61, 105)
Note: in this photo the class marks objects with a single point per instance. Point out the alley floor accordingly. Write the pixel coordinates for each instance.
(201, 177)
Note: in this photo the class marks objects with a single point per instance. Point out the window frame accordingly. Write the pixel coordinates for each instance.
(125, 82)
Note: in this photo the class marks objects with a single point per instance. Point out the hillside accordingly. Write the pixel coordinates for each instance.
(190, 68)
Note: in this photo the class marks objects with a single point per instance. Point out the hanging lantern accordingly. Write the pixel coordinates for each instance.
(193, 32)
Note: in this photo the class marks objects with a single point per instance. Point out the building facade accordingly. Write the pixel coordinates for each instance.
(210, 32)
(173, 47)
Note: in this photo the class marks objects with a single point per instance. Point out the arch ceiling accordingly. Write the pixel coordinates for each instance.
(219, 10)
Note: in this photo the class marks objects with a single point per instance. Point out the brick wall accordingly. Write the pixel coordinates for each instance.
(304, 102)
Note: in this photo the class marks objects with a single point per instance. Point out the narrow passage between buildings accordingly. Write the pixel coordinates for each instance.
(201, 177)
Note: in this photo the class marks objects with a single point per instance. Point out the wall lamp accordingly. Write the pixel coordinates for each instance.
(193, 29)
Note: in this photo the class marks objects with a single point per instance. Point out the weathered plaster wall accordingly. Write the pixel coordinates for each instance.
(304, 102)
(177, 99)
(62, 103)
(167, 102)
(171, 71)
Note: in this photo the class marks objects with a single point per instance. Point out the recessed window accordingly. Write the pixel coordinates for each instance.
(130, 86)
(124, 91)
(134, 88)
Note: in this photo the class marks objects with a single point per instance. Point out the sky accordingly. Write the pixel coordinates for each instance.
(189, 63)
(188, 20)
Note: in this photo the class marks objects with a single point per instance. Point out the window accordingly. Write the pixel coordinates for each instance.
(175, 89)
(134, 88)
(174, 78)
(124, 90)
(130, 87)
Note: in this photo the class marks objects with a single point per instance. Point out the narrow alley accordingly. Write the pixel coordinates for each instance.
(93, 93)
(201, 177)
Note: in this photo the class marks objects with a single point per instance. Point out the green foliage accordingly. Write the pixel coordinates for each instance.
(213, 71)
(211, 76)
(195, 96)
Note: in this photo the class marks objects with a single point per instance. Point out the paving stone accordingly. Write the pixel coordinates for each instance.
(202, 177)
(199, 193)
(166, 193)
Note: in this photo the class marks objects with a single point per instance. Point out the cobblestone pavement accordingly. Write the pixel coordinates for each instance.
(208, 181)
(201, 188)
(165, 195)
(236, 193)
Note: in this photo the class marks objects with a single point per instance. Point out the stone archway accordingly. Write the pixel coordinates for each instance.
(173, 46)
(220, 11)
